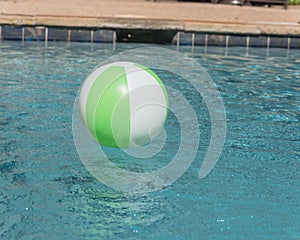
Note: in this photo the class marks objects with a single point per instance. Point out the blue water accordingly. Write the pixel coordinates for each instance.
(252, 193)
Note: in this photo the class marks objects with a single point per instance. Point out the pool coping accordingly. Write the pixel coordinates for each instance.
(164, 16)
(88, 22)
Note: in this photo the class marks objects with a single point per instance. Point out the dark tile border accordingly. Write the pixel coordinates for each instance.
(9, 32)
(55, 34)
(238, 40)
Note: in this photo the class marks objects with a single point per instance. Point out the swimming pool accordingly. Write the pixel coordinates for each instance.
(252, 193)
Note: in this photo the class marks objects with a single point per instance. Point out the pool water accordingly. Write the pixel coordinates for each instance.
(252, 193)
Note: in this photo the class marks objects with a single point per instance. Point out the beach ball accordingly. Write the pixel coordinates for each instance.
(123, 105)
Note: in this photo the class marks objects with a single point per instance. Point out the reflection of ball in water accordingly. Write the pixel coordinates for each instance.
(123, 104)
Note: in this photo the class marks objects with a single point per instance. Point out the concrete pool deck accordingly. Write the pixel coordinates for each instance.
(161, 15)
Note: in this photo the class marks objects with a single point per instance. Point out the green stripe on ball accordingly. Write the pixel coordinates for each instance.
(103, 100)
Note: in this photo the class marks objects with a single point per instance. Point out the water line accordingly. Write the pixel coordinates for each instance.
(247, 45)
(23, 35)
(288, 47)
(227, 44)
(268, 45)
(92, 37)
(205, 43)
(114, 40)
(69, 36)
(178, 41)
(46, 37)
(193, 42)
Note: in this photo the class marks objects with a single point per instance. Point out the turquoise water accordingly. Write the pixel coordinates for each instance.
(252, 193)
